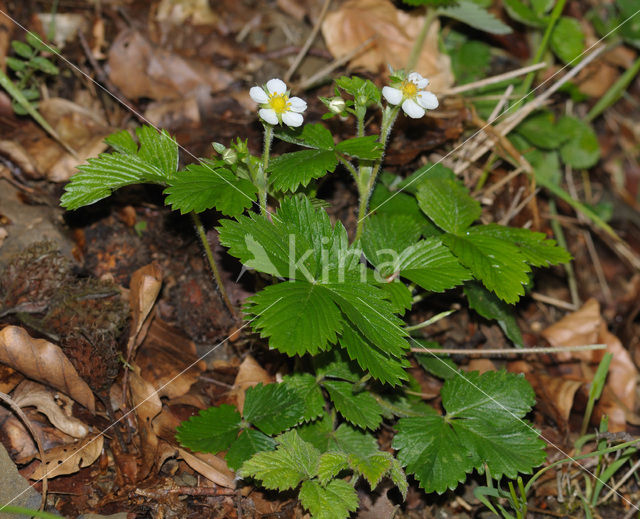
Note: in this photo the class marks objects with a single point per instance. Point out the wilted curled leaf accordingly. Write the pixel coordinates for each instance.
(211, 467)
(147, 406)
(144, 288)
(249, 374)
(45, 362)
(70, 458)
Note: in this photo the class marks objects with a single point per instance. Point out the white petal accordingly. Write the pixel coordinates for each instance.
(276, 86)
(297, 104)
(418, 80)
(392, 95)
(259, 95)
(412, 109)
(292, 119)
(427, 100)
(268, 116)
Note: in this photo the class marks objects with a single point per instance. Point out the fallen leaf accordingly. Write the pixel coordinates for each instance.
(45, 362)
(555, 395)
(32, 394)
(211, 467)
(70, 458)
(395, 31)
(144, 289)
(250, 373)
(147, 405)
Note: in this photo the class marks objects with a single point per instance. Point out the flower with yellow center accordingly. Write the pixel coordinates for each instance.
(412, 94)
(275, 104)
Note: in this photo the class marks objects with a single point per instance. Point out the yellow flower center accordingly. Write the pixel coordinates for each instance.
(279, 103)
(409, 89)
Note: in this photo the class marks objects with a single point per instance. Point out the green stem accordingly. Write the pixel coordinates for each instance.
(262, 180)
(429, 16)
(553, 18)
(212, 263)
(10, 509)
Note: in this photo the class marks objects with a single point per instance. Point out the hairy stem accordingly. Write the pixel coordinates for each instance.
(429, 16)
(262, 173)
(212, 263)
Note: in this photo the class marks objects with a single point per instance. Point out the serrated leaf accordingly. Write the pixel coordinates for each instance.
(44, 65)
(386, 235)
(431, 265)
(103, 175)
(498, 264)
(483, 425)
(317, 433)
(331, 464)
(398, 477)
(567, 39)
(273, 408)
(357, 86)
(22, 49)
(335, 501)
(367, 147)
(334, 364)
(293, 461)
(472, 14)
(448, 204)
(200, 187)
(581, 150)
(310, 135)
(248, 443)
(399, 295)
(122, 142)
(372, 467)
(309, 391)
(288, 172)
(349, 440)
(384, 201)
(212, 430)
(490, 307)
(361, 409)
(159, 149)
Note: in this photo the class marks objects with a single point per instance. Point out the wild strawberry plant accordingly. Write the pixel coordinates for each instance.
(342, 316)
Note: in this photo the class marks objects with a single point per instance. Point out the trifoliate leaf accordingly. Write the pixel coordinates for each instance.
(373, 467)
(335, 501)
(361, 147)
(472, 14)
(273, 408)
(483, 425)
(159, 149)
(490, 307)
(212, 430)
(581, 150)
(534, 246)
(498, 264)
(200, 187)
(567, 39)
(309, 391)
(361, 409)
(431, 265)
(331, 464)
(248, 443)
(288, 172)
(386, 235)
(448, 204)
(293, 461)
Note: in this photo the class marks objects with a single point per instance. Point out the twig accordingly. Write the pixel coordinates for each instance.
(514, 351)
(307, 44)
(572, 307)
(622, 481)
(493, 79)
(36, 436)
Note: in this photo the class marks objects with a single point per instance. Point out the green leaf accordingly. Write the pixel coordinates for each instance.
(472, 14)
(492, 308)
(541, 7)
(44, 65)
(398, 477)
(22, 49)
(273, 408)
(439, 365)
(523, 14)
(497, 263)
(349, 440)
(448, 204)
(335, 501)
(384, 201)
(471, 61)
(540, 130)
(567, 39)
(331, 464)
(15, 64)
(309, 391)
(248, 443)
(159, 149)
(581, 150)
(386, 235)
(373, 467)
(122, 142)
(399, 295)
(431, 265)
(483, 425)
(334, 364)
(288, 172)
(200, 187)
(317, 433)
(361, 147)
(293, 461)
(360, 409)
(310, 135)
(36, 42)
(212, 430)
(358, 87)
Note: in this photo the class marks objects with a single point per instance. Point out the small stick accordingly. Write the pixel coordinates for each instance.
(494, 79)
(307, 44)
(514, 351)
(572, 307)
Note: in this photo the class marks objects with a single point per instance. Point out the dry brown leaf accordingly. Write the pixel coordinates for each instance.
(144, 289)
(9, 378)
(480, 365)
(45, 362)
(250, 373)
(32, 394)
(176, 12)
(556, 394)
(211, 467)
(70, 458)
(147, 406)
(168, 360)
(356, 21)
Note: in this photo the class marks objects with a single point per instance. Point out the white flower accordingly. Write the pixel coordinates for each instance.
(412, 94)
(275, 104)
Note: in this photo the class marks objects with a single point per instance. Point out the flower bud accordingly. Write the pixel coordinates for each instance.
(337, 105)
(230, 156)
(219, 148)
